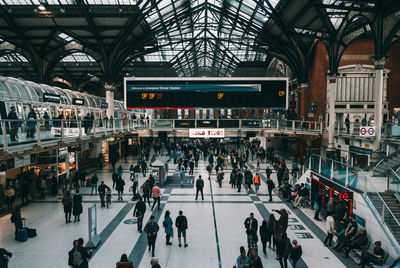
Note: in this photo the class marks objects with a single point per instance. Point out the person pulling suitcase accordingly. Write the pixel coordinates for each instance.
(21, 233)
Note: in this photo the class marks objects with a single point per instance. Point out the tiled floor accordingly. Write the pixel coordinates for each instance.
(224, 209)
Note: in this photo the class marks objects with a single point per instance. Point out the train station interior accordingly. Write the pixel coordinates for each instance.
(199, 133)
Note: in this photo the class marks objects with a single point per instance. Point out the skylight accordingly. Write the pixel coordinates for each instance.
(13, 57)
(78, 57)
(65, 37)
(67, 2)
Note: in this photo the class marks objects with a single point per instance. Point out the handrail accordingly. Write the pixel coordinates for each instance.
(368, 185)
(385, 158)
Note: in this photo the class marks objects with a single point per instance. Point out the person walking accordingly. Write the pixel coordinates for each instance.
(182, 176)
(283, 249)
(199, 187)
(14, 124)
(265, 235)
(120, 171)
(114, 179)
(243, 260)
(77, 206)
(119, 186)
(208, 168)
(239, 180)
(254, 259)
(220, 177)
(156, 196)
(283, 219)
(154, 263)
(232, 178)
(268, 172)
(248, 176)
(151, 230)
(256, 182)
(330, 229)
(276, 234)
(167, 224)
(124, 262)
(93, 181)
(4, 256)
(295, 253)
(138, 212)
(181, 224)
(271, 186)
(102, 192)
(191, 167)
(67, 203)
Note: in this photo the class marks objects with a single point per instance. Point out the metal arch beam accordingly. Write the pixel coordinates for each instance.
(92, 26)
(46, 43)
(390, 37)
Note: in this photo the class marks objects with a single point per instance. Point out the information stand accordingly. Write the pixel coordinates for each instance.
(94, 238)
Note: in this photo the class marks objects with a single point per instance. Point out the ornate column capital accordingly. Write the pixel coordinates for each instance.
(332, 77)
(109, 86)
(379, 61)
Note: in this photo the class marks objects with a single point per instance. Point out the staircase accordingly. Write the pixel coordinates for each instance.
(392, 161)
(393, 203)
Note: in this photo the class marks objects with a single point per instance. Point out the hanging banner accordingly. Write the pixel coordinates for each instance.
(206, 133)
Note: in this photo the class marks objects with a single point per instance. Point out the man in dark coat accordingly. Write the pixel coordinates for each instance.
(140, 209)
(199, 187)
(14, 125)
(151, 230)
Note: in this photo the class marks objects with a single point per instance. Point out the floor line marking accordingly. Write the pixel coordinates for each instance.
(215, 227)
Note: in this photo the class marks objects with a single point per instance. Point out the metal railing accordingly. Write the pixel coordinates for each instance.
(357, 179)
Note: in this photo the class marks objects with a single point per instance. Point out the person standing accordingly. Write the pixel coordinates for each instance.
(156, 196)
(271, 186)
(77, 206)
(14, 124)
(151, 230)
(119, 186)
(67, 203)
(249, 179)
(138, 212)
(167, 223)
(330, 229)
(17, 219)
(295, 253)
(146, 191)
(10, 196)
(102, 192)
(283, 219)
(78, 256)
(317, 205)
(93, 181)
(251, 226)
(199, 187)
(239, 180)
(232, 179)
(132, 172)
(144, 168)
(182, 176)
(120, 171)
(181, 224)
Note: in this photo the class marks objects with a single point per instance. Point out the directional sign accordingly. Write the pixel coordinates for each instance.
(367, 131)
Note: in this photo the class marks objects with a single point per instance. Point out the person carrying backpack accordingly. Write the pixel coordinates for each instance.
(78, 256)
(181, 224)
(67, 203)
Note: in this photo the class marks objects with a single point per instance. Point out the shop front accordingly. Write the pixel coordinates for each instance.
(327, 189)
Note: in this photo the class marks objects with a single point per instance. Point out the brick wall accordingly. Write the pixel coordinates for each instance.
(393, 84)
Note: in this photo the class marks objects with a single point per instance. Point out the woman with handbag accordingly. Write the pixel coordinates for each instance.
(167, 224)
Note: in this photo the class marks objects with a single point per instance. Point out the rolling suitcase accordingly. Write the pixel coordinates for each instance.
(22, 235)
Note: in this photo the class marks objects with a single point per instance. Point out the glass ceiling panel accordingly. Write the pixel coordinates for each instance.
(13, 57)
(78, 57)
(68, 2)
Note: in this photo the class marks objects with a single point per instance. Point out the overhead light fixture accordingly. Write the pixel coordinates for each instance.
(41, 7)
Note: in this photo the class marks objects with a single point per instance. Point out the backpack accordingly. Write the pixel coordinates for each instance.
(76, 258)
(67, 202)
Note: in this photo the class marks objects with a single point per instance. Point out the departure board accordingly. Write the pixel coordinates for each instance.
(190, 93)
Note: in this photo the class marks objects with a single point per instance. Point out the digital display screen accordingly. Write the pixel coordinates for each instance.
(189, 93)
